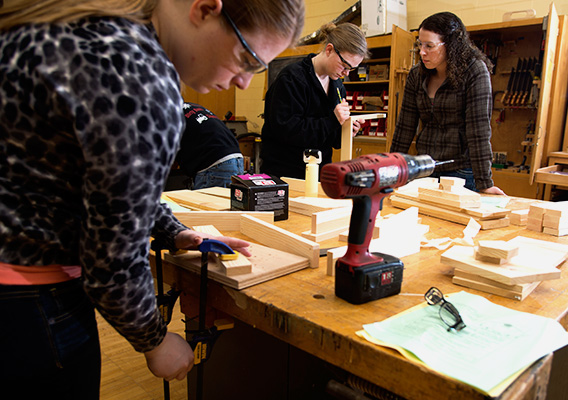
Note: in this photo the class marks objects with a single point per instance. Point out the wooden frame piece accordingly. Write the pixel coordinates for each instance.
(281, 239)
(222, 220)
(346, 133)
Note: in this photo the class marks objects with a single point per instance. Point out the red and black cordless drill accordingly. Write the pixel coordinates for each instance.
(361, 276)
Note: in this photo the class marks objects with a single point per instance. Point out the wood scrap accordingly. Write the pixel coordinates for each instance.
(449, 182)
(446, 214)
(497, 249)
(519, 217)
(536, 261)
(473, 281)
(327, 220)
(320, 237)
(310, 205)
(281, 239)
(240, 266)
(459, 198)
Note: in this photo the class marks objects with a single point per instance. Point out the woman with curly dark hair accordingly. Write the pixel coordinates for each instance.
(449, 93)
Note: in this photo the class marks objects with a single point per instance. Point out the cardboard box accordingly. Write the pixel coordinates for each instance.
(260, 192)
(378, 72)
(378, 16)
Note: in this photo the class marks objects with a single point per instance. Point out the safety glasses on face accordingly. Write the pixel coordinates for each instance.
(428, 46)
(346, 65)
(448, 313)
(259, 66)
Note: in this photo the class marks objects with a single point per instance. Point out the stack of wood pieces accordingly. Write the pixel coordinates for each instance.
(550, 218)
(519, 217)
(448, 199)
(510, 269)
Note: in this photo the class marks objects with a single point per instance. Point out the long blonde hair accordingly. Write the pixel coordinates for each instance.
(283, 17)
(18, 12)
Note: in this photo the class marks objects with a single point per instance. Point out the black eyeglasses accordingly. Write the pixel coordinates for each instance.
(349, 67)
(247, 67)
(448, 313)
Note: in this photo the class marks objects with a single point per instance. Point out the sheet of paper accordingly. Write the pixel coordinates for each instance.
(496, 342)
(495, 201)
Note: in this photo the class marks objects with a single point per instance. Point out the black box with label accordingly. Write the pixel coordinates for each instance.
(260, 192)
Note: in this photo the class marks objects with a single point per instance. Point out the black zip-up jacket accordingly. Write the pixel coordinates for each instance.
(299, 115)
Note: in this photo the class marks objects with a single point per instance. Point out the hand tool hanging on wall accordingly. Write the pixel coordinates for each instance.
(518, 83)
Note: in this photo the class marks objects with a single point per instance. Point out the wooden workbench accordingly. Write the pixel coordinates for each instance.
(301, 309)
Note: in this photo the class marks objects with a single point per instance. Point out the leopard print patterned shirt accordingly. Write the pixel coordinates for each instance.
(90, 119)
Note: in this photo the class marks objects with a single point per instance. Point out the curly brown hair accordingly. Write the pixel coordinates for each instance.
(460, 50)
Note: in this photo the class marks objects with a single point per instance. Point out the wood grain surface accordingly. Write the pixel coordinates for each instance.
(302, 309)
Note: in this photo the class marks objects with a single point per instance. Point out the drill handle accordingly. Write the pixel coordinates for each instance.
(361, 227)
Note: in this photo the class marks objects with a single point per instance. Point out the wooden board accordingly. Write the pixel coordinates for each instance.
(324, 221)
(222, 192)
(200, 201)
(516, 292)
(310, 205)
(267, 264)
(536, 262)
(299, 185)
(448, 215)
(222, 220)
(281, 239)
(479, 212)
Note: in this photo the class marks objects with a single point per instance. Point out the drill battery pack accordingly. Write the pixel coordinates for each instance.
(365, 283)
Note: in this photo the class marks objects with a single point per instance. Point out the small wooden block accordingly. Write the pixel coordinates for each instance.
(451, 181)
(558, 209)
(534, 225)
(519, 217)
(537, 211)
(498, 249)
(241, 265)
(553, 221)
(555, 232)
(489, 259)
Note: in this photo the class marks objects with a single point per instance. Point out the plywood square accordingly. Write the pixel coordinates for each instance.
(267, 264)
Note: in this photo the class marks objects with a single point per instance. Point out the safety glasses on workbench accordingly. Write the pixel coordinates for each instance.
(448, 312)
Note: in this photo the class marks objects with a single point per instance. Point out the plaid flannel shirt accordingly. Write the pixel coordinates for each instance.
(456, 125)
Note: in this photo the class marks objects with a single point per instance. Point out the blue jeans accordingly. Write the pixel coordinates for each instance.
(466, 173)
(49, 343)
(220, 174)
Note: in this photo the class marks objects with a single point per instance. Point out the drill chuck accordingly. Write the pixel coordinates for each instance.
(419, 166)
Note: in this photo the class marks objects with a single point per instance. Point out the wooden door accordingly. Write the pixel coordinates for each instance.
(400, 63)
(545, 90)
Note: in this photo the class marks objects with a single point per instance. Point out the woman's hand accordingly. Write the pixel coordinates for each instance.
(342, 112)
(493, 190)
(189, 240)
(172, 359)
(357, 126)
